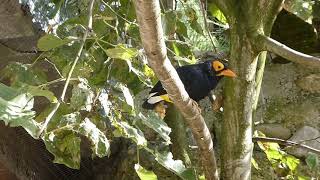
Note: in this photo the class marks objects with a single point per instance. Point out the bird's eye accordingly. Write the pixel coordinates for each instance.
(217, 65)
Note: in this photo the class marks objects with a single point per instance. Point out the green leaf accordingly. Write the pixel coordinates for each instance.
(126, 93)
(292, 162)
(82, 96)
(175, 166)
(65, 146)
(215, 12)
(196, 26)
(144, 174)
(182, 28)
(99, 143)
(23, 73)
(255, 164)
(57, 6)
(130, 132)
(312, 161)
(49, 41)
(170, 19)
(121, 52)
(36, 91)
(64, 141)
(157, 124)
(16, 109)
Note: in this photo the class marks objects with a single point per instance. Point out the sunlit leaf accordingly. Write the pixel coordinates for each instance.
(292, 162)
(99, 143)
(255, 164)
(121, 52)
(175, 166)
(82, 96)
(126, 93)
(215, 11)
(144, 174)
(16, 109)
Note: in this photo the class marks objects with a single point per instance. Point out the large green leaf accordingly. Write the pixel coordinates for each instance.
(99, 143)
(64, 141)
(121, 52)
(20, 73)
(49, 41)
(144, 174)
(16, 109)
(157, 124)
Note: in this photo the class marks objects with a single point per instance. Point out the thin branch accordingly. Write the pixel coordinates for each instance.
(286, 143)
(284, 51)
(57, 105)
(151, 33)
(204, 14)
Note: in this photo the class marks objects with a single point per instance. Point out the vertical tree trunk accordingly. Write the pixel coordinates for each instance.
(246, 20)
(237, 126)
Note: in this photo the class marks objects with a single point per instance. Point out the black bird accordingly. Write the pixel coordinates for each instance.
(198, 79)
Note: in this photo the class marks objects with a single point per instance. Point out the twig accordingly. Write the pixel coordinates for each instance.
(286, 143)
(284, 51)
(203, 9)
(57, 105)
(112, 10)
(55, 67)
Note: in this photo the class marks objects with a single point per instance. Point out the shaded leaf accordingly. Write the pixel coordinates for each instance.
(65, 146)
(49, 41)
(157, 124)
(312, 161)
(144, 174)
(36, 91)
(19, 73)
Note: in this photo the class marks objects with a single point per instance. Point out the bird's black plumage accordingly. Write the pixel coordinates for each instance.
(198, 79)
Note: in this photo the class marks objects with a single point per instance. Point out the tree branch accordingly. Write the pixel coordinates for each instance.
(63, 94)
(151, 33)
(286, 143)
(284, 51)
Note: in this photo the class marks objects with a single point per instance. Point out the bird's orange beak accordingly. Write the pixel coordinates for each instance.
(227, 73)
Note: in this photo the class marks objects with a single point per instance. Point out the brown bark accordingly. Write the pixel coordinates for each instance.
(148, 15)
